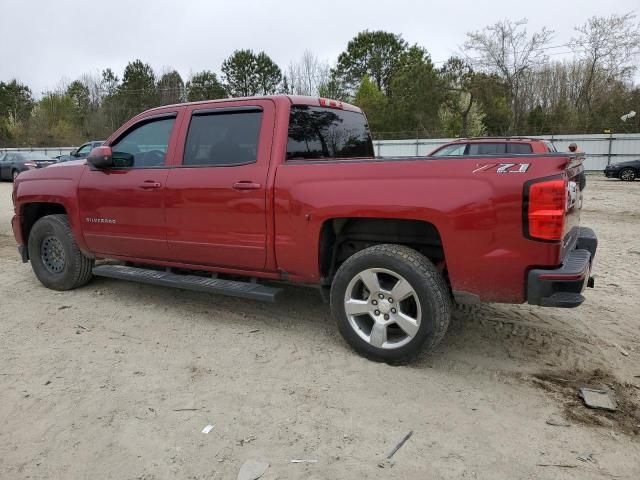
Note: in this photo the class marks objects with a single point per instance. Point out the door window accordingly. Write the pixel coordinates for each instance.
(145, 146)
(84, 150)
(224, 138)
(454, 150)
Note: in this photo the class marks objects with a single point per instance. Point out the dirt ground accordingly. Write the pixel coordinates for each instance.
(117, 380)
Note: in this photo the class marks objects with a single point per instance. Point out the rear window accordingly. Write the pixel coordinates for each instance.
(519, 148)
(317, 133)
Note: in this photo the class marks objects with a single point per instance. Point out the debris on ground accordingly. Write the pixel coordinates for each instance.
(559, 465)
(252, 469)
(599, 399)
(207, 429)
(186, 410)
(244, 440)
(400, 444)
(587, 458)
(557, 421)
(621, 350)
(303, 461)
(62, 307)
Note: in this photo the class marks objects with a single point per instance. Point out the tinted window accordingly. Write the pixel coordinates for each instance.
(487, 148)
(519, 148)
(550, 146)
(450, 150)
(316, 132)
(144, 146)
(223, 138)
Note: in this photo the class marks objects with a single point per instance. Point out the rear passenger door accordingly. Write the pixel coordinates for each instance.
(216, 193)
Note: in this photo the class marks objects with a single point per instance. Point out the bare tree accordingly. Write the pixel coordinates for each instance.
(608, 48)
(307, 75)
(506, 49)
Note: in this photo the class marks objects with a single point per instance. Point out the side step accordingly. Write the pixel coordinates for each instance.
(253, 291)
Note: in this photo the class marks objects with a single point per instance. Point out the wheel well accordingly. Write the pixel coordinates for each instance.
(342, 237)
(32, 212)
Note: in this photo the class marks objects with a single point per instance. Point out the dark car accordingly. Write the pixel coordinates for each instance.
(627, 171)
(12, 163)
(81, 152)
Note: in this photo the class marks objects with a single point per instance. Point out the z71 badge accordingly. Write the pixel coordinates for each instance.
(503, 168)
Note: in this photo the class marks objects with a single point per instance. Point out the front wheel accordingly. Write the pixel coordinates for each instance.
(628, 174)
(55, 257)
(390, 303)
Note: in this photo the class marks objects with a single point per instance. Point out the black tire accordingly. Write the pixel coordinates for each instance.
(73, 271)
(428, 285)
(627, 175)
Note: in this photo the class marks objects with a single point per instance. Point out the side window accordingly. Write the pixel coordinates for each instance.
(519, 148)
(324, 133)
(225, 138)
(455, 150)
(144, 146)
(487, 148)
(550, 146)
(84, 150)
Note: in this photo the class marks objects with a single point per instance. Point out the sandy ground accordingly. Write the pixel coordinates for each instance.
(117, 380)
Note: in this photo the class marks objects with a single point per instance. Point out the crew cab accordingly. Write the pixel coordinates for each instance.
(228, 196)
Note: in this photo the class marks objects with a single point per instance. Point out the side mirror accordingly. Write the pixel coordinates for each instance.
(100, 157)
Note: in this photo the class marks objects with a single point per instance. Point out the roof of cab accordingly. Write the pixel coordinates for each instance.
(291, 99)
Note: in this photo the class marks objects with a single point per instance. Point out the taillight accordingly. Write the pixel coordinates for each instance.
(546, 209)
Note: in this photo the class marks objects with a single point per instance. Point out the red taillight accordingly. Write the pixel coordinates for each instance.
(325, 102)
(547, 209)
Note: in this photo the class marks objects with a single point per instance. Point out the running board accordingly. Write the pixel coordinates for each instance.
(253, 291)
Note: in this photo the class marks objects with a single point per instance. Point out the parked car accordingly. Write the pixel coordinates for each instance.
(288, 189)
(494, 146)
(12, 163)
(627, 171)
(81, 152)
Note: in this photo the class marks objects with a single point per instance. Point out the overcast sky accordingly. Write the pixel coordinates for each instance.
(45, 41)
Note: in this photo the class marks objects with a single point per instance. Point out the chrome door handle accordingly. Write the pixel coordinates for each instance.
(246, 186)
(150, 184)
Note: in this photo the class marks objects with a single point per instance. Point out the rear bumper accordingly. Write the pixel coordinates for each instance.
(563, 286)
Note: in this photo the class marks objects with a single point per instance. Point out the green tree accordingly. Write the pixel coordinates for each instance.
(137, 92)
(492, 95)
(54, 121)
(79, 94)
(204, 86)
(418, 92)
(373, 102)
(268, 73)
(239, 74)
(16, 105)
(375, 54)
(246, 74)
(170, 88)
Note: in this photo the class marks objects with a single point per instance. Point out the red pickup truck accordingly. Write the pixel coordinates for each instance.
(214, 196)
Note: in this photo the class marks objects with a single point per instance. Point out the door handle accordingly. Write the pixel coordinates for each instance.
(246, 186)
(150, 184)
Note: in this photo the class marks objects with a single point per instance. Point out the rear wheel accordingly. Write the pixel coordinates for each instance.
(390, 303)
(627, 174)
(55, 257)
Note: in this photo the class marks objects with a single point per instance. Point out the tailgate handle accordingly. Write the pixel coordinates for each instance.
(150, 184)
(246, 186)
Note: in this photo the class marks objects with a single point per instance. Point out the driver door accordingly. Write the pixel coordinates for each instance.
(122, 208)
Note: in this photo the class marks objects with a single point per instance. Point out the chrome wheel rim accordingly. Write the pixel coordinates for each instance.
(52, 254)
(382, 308)
(627, 175)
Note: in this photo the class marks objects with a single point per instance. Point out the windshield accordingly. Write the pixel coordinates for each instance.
(34, 156)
